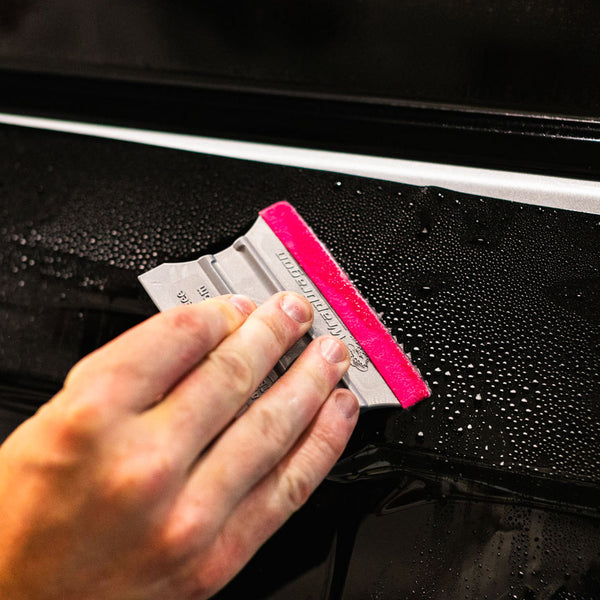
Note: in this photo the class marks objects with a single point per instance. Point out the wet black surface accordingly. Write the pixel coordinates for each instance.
(490, 489)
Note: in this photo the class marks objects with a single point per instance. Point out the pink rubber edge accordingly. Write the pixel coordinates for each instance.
(393, 365)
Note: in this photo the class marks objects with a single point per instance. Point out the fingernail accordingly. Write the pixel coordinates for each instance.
(346, 403)
(333, 350)
(296, 308)
(244, 304)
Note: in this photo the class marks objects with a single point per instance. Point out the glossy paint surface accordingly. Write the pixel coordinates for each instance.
(490, 488)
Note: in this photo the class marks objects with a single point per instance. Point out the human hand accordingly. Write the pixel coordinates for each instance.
(137, 482)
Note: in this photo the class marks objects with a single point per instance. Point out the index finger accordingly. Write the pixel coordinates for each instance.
(145, 362)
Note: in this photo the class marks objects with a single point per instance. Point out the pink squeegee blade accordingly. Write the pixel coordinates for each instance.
(360, 319)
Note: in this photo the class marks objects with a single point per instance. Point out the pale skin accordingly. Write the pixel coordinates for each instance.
(136, 481)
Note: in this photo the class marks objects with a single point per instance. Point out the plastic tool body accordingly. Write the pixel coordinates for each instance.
(280, 252)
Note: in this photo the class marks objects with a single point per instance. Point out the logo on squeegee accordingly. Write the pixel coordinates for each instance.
(358, 357)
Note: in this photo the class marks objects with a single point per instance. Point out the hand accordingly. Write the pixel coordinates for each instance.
(136, 480)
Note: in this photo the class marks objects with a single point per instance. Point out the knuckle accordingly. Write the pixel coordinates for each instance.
(236, 369)
(84, 409)
(119, 487)
(273, 430)
(327, 443)
(277, 330)
(178, 539)
(113, 376)
(186, 320)
(298, 487)
(129, 481)
(120, 483)
(155, 480)
(206, 582)
(77, 421)
(98, 379)
(228, 553)
(187, 533)
(79, 370)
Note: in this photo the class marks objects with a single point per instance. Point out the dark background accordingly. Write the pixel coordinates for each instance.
(503, 84)
(527, 57)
